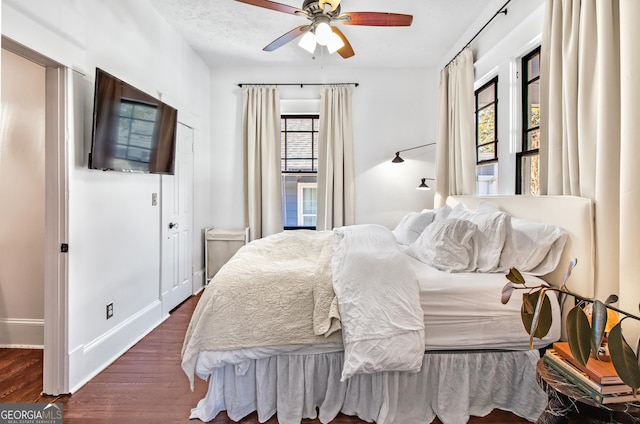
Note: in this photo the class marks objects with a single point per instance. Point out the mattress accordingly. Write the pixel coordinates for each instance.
(462, 311)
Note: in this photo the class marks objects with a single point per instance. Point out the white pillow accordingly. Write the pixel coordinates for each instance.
(533, 247)
(412, 225)
(493, 225)
(441, 213)
(448, 245)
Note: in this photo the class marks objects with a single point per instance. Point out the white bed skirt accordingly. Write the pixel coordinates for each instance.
(451, 386)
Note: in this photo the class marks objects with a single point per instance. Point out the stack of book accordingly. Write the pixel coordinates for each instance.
(598, 379)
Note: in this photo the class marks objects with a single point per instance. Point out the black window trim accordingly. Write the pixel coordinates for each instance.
(283, 155)
(524, 152)
(493, 81)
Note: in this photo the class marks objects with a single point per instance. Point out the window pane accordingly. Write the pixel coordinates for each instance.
(531, 174)
(487, 179)
(299, 165)
(487, 152)
(316, 125)
(283, 152)
(309, 203)
(299, 124)
(486, 125)
(486, 96)
(533, 105)
(533, 139)
(315, 154)
(533, 67)
(299, 199)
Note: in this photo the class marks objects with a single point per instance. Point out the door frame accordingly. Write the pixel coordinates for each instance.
(55, 363)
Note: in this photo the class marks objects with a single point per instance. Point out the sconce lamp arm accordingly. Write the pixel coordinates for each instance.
(416, 147)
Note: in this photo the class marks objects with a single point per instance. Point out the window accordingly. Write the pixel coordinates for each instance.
(486, 123)
(299, 167)
(527, 161)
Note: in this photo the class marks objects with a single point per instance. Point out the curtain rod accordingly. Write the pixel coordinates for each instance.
(301, 84)
(501, 10)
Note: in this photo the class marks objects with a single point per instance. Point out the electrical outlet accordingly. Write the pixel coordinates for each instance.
(109, 310)
(154, 199)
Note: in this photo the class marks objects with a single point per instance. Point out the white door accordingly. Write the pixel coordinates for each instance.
(177, 222)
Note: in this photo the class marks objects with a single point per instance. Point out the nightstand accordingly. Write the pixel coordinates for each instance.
(569, 404)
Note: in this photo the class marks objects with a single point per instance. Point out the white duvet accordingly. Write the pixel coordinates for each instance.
(379, 302)
(282, 290)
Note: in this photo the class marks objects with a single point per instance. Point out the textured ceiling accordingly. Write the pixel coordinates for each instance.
(230, 33)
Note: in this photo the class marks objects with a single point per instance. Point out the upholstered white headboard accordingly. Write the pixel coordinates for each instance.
(573, 214)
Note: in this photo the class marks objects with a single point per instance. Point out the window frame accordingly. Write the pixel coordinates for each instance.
(301, 215)
(485, 186)
(493, 81)
(525, 152)
(314, 137)
(314, 163)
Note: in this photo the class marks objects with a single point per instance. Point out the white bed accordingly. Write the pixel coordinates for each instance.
(476, 355)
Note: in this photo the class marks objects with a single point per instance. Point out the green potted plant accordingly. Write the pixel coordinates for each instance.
(584, 335)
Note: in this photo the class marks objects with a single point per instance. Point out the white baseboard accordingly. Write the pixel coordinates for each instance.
(22, 333)
(198, 281)
(87, 361)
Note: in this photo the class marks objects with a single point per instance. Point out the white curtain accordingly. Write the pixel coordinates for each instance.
(261, 136)
(590, 102)
(336, 196)
(456, 148)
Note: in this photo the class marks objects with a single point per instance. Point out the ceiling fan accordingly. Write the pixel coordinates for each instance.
(322, 13)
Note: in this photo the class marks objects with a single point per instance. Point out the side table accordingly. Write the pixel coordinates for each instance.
(567, 402)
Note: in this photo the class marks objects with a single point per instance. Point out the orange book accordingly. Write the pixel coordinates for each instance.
(600, 371)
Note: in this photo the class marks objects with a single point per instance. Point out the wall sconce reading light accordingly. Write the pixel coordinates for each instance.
(398, 159)
(423, 185)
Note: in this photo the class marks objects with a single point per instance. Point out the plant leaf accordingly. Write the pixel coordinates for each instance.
(528, 306)
(536, 314)
(598, 324)
(579, 334)
(515, 277)
(567, 273)
(507, 291)
(624, 359)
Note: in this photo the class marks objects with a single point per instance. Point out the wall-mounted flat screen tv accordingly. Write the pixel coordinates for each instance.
(132, 131)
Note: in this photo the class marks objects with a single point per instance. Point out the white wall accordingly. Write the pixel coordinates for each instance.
(393, 109)
(22, 189)
(114, 231)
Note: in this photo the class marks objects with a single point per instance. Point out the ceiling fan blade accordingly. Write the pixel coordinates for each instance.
(289, 36)
(345, 51)
(267, 4)
(375, 19)
(334, 4)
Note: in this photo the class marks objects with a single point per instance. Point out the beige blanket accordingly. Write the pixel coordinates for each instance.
(275, 291)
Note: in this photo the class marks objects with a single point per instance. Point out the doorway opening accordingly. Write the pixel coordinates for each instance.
(55, 235)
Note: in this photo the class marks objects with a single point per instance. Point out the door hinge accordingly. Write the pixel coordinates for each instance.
(64, 247)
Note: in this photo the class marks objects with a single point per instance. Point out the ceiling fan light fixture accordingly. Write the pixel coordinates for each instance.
(308, 42)
(323, 33)
(335, 43)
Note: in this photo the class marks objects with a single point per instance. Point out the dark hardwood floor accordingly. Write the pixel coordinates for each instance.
(145, 385)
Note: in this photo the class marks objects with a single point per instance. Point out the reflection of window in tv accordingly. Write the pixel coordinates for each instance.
(136, 128)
